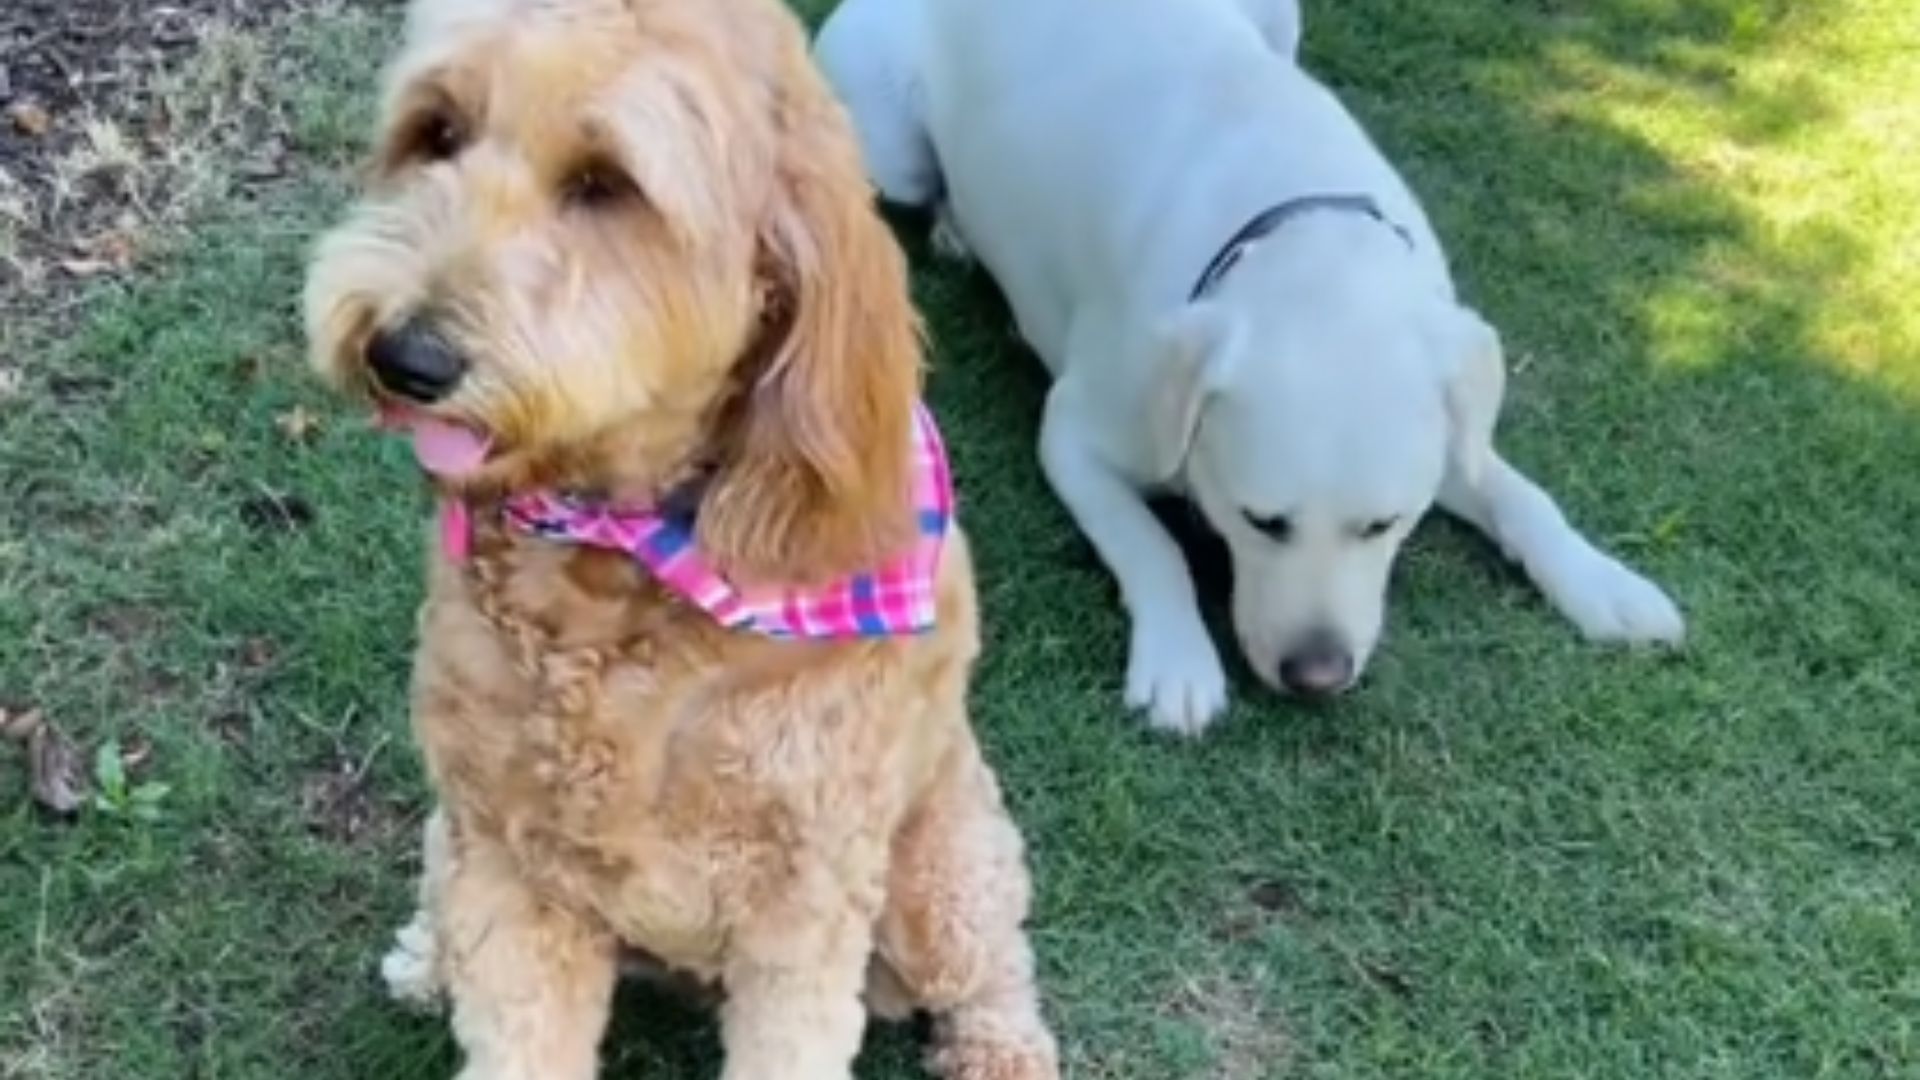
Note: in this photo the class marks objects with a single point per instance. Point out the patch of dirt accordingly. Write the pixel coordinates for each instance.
(259, 654)
(339, 803)
(1274, 896)
(1247, 1040)
(273, 511)
(1266, 901)
(234, 727)
(116, 118)
(237, 681)
(127, 624)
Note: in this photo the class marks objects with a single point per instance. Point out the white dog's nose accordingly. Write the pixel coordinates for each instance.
(1319, 667)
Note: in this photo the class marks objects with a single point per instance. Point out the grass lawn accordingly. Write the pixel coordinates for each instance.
(1509, 855)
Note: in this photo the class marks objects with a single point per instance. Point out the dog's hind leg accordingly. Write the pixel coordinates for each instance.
(868, 50)
(953, 936)
(411, 969)
(531, 983)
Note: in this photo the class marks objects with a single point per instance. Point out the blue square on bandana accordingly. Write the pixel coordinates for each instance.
(933, 522)
(866, 613)
(669, 541)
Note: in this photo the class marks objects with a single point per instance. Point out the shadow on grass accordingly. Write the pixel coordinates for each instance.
(654, 1032)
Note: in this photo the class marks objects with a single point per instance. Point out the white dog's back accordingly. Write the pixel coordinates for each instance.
(1115, 175)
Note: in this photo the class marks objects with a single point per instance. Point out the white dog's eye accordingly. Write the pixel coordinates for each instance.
(1376, 528)
(1278, 527)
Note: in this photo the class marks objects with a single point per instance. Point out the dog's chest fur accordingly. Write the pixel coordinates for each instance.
(644, 766)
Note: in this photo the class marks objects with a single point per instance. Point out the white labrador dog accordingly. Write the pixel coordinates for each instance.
(1239, 299)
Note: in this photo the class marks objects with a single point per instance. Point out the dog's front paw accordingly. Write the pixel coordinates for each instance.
(981, 1060)
(411, 968)
(1608, 601)
(1174, 673)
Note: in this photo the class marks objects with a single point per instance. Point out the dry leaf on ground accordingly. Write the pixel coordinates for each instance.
(298, 423)
(135, 751)
(17, 726)
(258, 653)
(59, 782)
(246, 368)
(115, 247)
(85, 268)
(29, 118)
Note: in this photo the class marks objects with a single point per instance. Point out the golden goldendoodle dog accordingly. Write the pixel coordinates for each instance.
(694, 655)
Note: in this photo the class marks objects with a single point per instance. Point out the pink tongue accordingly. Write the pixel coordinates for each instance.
(443, 448)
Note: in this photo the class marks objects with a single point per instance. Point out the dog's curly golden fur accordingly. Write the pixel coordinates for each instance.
(643, 228)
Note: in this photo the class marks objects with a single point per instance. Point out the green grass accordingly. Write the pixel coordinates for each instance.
(1509, 855)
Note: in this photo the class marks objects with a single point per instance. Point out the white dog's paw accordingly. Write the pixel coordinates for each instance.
(1176, 676)
(947, 241)
(1610, 602)
(411, 968)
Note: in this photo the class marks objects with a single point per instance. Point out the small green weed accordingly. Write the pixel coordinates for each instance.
(115, 796)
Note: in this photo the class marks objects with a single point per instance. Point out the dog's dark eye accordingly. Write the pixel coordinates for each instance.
(436, 136)
(595, 185)
(1377, 528)
(1278, 527)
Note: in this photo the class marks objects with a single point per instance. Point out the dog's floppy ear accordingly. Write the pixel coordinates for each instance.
(1195, 351)
(1474, 377)
(816, 472)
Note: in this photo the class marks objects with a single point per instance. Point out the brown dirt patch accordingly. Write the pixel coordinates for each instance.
(1247, 1040)
(340, 803)
(110, 113)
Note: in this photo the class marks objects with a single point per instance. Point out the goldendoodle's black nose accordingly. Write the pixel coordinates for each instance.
(1319, 667)
(413, 362)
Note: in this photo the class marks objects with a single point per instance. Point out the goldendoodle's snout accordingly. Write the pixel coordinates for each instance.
(414, 362)
(1321, 665)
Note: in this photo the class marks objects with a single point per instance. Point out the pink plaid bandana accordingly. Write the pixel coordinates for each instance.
(894, 598)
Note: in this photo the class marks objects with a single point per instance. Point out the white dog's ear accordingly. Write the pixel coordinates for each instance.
(1195, 347)
(1473, 367)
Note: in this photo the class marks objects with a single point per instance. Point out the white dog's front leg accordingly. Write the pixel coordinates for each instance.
(1606, 599)
(1173, 670)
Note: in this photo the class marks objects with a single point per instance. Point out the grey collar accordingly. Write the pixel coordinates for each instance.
(1266, 221)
